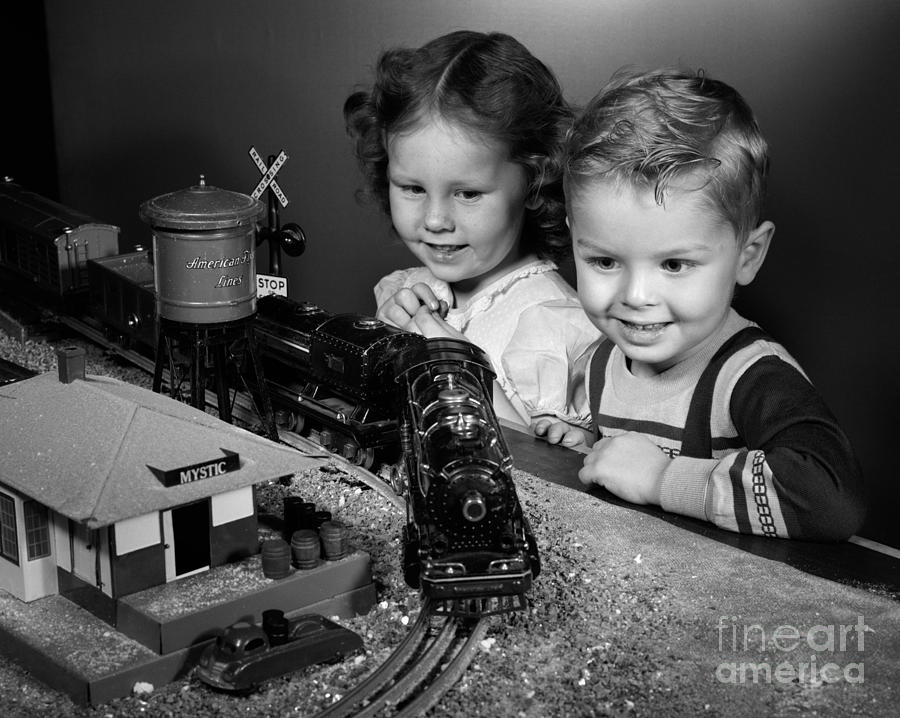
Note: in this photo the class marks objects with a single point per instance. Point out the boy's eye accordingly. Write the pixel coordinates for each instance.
(468, 194)
(412, 189)
(674, 265)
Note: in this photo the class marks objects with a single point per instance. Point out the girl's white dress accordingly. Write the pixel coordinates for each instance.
(531, 325)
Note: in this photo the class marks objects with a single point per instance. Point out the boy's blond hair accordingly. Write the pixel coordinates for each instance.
(650, 129)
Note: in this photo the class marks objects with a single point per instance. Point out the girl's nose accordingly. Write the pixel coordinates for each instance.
(438, 217)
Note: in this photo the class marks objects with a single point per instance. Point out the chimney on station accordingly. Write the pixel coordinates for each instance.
(70, 361)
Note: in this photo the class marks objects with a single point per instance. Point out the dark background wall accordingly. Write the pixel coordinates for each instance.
(148, 95)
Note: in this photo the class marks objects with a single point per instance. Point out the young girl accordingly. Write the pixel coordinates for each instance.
(460, 143)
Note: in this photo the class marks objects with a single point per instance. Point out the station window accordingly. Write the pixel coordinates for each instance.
(9, 544)
(37, 530)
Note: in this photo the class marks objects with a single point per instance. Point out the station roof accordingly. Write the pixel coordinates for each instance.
(88, 449)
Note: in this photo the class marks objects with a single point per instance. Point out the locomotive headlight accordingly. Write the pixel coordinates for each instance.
(474, 508)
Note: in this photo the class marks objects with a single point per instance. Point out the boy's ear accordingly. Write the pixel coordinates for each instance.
(753, 252)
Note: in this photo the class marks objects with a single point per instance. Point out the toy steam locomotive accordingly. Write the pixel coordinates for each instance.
(468, 544)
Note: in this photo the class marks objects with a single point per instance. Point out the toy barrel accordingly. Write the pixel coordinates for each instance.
(334, 540)
(305, 548)
(293, 511)
(276, 558)
(320, 517)
(276, 626)
(204, 250)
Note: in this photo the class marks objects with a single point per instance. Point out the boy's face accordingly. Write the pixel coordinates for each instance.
(657, 280)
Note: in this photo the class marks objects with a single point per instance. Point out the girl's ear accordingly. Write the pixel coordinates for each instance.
(534, 201)
(753, 252)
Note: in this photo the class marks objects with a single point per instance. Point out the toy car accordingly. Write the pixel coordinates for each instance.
(245, 655)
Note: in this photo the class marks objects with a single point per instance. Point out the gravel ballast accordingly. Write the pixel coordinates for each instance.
(625, 618)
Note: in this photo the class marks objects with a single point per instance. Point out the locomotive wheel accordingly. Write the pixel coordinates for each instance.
(358, 456)
(365, 458)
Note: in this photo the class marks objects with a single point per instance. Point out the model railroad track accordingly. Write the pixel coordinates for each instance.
(436, 651)
(430, 659)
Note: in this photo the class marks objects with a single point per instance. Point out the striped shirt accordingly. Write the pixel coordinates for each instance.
(753, 447)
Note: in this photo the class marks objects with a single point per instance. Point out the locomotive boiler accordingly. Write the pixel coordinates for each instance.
(330, 376)
(467, 543)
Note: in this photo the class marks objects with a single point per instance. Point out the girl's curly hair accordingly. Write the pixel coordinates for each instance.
(488, 83)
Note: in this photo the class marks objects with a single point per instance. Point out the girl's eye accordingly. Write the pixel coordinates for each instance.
(412, 189)
(468, 194)
(602, 262)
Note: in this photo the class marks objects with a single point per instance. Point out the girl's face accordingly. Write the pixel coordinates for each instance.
(458, 203)
(657, 280)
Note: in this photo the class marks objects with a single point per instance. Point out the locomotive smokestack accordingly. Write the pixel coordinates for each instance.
(70, 362)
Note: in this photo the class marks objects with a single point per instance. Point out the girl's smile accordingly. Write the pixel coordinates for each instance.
(445, 252)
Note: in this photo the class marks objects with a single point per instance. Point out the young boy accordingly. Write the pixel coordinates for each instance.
(696, 409)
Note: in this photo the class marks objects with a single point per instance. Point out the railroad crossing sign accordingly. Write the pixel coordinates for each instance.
(268, 176)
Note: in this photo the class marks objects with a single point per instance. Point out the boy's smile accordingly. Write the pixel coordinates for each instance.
(657, 280)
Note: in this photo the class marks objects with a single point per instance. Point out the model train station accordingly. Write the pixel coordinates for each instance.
(111, 494)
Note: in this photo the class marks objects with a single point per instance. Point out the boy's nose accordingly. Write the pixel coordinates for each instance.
(638, 289)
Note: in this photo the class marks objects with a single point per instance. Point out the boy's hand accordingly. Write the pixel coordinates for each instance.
(559, 432)
(401, 309)
(630, 466)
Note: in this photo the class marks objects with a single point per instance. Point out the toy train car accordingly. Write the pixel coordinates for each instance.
(330, 376)
(468, 544)
(45, 246)
(122, 298)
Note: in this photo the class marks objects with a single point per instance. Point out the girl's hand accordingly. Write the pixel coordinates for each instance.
(400, 310)
(429, 323)
(556, 431)
(629, 465)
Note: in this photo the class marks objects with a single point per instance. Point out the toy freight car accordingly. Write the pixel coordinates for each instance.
(122, 298)
(45, 246)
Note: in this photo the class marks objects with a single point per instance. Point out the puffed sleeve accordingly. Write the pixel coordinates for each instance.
(547, 358)
(392, 283)
(389, 285)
